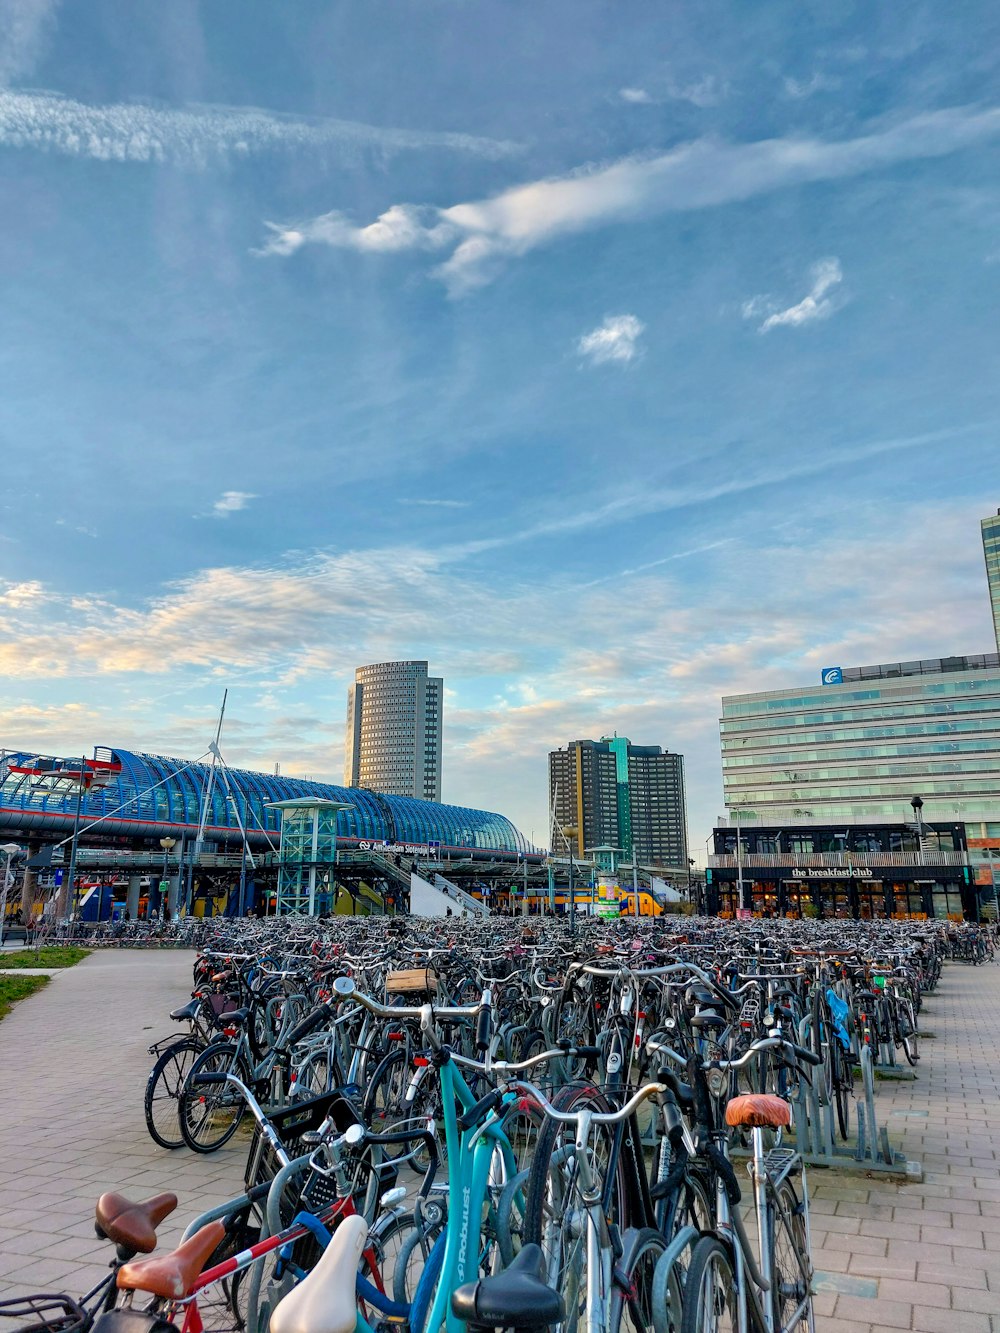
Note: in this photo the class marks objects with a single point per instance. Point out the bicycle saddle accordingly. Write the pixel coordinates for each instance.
(186, 1011)
(758, 1110)
(707, 1020)
(172, 1275)
(132, 1225)
(516, 1298)
(325, 1300)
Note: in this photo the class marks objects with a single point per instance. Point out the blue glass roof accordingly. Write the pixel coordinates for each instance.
(165, 794)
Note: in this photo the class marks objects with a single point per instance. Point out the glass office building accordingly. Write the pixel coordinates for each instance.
(991, 550)
(860, 747)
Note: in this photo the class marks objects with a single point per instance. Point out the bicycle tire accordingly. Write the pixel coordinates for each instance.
(791, 1264)
(710, 1294)
(843, 1088)
(554, 1210)
(197, 1128)
(159, 1103)
(383, 1103)
(632, 1299)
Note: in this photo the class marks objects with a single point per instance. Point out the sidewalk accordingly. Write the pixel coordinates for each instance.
(73, 1067)
(925, 1257)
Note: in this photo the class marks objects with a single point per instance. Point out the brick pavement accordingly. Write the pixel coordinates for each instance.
(931, 1252)
(73, 1067)
(73, 1063)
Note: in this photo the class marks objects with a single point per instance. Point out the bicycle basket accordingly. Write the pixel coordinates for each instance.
(41, 1314)
(290, 1123)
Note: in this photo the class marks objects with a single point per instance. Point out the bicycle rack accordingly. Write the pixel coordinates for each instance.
(813, 1123)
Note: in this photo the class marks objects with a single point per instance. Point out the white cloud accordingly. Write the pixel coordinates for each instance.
(817, 304)
(195, 136)
(706, 173)
(24, 26)
(433, 504)
(615, 340)
(659, 679)
(231, 502)
(638, 96)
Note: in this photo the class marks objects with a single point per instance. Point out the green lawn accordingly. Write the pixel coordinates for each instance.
(18, 988)
(55, 955)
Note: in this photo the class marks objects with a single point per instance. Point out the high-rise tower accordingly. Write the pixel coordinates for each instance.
(393, 740)
(991, 549)
(616, 794)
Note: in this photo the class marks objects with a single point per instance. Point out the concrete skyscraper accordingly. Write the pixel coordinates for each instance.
(991, 549)
(393, 740)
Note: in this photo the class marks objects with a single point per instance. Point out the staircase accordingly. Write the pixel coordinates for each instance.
(470, 906)
(441, 897)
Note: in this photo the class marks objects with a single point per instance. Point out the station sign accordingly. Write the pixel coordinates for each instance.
(407, 848)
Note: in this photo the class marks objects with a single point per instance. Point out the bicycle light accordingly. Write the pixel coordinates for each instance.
(718, 1082)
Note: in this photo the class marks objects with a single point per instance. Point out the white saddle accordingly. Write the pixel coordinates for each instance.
(325, 1300)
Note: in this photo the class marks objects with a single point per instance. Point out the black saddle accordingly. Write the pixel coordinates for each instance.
(186, 1011)
(708, 1020)
(516, 1298)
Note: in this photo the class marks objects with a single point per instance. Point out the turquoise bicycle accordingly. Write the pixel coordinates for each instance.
(483, 1183)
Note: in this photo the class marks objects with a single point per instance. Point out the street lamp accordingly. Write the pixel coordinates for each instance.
(9, 849)
(690, 861)
(569, 831)
(168, 845)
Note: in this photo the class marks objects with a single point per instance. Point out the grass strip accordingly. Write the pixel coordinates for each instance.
(13, 989)
(53, 955)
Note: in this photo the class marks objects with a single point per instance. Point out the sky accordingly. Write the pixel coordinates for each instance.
(611, 356)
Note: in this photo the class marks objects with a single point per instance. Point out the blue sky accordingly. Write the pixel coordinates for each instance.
(611, 356)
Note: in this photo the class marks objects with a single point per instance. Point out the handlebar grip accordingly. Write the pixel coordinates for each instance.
(584, 1052)
(306, 1025)
(475, 1113)
(810, 1057)
(212, 1076)
(484, 1024)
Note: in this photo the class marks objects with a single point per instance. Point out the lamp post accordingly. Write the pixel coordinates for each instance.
(168, 845)
(9, 849)
(569, 832)
(690, 862)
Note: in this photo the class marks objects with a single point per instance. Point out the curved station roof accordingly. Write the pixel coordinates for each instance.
(145, 795)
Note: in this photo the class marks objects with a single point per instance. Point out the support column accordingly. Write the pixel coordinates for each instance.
(132, 897)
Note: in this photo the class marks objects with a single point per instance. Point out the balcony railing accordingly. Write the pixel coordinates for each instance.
(836, 860)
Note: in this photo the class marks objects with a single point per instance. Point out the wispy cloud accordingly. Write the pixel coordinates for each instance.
(614, 340)
(817, 304)
(482, 234)
(637, 96)
(433, 504)
(196, 136)
(231, 502)
(24, 26)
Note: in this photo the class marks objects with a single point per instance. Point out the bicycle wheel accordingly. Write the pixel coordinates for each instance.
(710, 1296)
(163, 1088)
(556, 1215)
(384, 1098)
(632, 1302)
(209, 1116)
(843, 1089)
(907, 1030)
(791, 1264)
